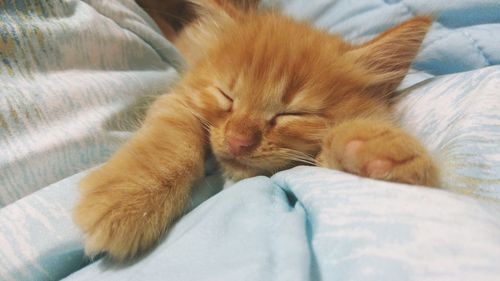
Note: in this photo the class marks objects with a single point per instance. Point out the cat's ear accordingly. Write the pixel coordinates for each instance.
(231, 8)
(387, 58)
(238, 4)
(211, 18)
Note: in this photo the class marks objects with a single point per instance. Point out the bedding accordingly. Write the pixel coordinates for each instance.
(75, 73)
(70, 73)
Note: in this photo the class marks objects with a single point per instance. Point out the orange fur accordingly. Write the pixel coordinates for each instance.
(264, 93)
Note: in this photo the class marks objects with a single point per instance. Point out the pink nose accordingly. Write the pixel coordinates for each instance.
(238, 144)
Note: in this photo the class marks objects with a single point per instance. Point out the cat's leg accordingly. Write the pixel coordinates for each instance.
(129, 202)
(379, 150)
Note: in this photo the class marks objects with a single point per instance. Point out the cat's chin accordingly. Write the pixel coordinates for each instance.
(236, 175)
(235, 170)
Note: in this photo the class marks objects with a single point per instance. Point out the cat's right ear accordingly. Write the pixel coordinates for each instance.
(211, 18)
(230, 8)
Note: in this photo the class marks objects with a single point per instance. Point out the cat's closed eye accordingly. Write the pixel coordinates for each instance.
(224, 94)
(287, 115)
(223, 99)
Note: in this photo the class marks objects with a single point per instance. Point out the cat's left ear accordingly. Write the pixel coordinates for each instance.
(387, 58)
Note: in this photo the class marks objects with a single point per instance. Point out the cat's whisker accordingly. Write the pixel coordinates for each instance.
(300, 160)
(283, 154)
(204, 122)
(306, 155)
(297, 156)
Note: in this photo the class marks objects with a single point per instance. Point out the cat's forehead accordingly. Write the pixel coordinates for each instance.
(273, 44)
(269, 61)
(274, 49)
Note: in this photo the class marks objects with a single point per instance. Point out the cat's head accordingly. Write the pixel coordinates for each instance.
(268, 87)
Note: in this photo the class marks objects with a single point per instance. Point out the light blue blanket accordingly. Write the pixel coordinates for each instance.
(72, 73)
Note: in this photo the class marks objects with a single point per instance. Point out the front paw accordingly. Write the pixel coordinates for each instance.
(377, 150)
(120, 217)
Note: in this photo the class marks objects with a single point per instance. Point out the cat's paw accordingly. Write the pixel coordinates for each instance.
(118, 217)
(377, 150)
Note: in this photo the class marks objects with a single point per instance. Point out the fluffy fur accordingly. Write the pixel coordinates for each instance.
(263, 93)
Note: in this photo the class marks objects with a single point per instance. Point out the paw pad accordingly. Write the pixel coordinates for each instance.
(378, 168)
(352, 147)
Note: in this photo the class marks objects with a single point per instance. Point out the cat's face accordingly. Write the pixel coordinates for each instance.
(268, 96)
(269, 88)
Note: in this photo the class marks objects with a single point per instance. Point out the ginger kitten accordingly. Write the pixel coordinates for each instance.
(264, 93)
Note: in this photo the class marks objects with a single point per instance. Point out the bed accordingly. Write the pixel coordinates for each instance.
(75, 76)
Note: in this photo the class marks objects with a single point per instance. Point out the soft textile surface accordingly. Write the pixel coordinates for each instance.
(72, 73)
(340, 228)
(69, 73)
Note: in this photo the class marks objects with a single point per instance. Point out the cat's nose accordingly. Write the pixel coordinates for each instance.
(238, 144)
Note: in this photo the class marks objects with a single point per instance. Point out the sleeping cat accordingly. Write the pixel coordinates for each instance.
(263, 93)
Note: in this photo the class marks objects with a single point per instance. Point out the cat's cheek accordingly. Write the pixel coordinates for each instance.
(216, 116)
(217, 142)
(293, 137)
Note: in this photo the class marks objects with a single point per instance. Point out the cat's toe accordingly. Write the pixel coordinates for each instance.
(352, 147)
(89, 219)
(350, 157)
(113, 227)
(357, 161)
(121, 237)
